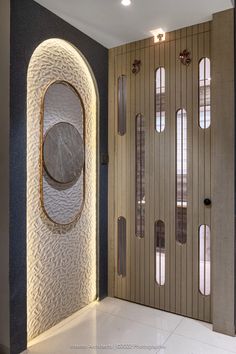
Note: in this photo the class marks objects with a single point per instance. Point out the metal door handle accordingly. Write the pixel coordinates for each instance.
(207, 202)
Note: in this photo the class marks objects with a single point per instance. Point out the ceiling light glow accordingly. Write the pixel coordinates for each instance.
(159, 35)
(126, 2)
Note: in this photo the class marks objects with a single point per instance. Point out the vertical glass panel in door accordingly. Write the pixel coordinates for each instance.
(204, 93)
(181, 176)
(204, 260)
(160, 100)
(122, 93)
(121, 233)
(160, 252)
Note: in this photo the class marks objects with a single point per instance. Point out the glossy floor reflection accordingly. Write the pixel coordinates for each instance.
(116, 326)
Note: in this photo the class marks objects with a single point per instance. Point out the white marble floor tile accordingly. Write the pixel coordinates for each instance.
(203, 332)
(114, 326)
(94, 327)
(145, 315)
(182, 345)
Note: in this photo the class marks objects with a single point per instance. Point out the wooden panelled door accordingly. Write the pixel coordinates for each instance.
(160, 168)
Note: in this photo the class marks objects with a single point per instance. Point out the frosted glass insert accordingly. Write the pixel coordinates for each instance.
(181, 176)
(121, 246)
(122, 99)
(204, 260)
(204, 93)
(160, 99)
(160, 252)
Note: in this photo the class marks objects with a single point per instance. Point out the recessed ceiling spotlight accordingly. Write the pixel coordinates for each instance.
(159, 35)
(126, 2)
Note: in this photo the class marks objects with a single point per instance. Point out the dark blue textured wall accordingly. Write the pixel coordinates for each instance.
(30, 25)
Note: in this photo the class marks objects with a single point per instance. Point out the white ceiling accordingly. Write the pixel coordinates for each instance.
(112, 24)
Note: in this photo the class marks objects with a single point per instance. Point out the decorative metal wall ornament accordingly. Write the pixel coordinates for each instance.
(185, 57)
(136, 66)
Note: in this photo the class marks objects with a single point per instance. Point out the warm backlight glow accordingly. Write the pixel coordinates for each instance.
(61, 260)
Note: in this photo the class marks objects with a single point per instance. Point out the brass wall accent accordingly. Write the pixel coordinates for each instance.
(136, 66)
(185, 57)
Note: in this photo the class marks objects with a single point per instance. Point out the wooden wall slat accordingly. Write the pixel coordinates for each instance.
(172, 120)
(223, 179)
(111, 178)
(152, 176)
(189, 245)
(142, 111)
(132, 180)
(178, 105)
(157, 172)
(195, 179)
(137, 240)
(184, 265)
(128, 165)
(162, 157)
(119, 180)
(123, 143)
(207, 177)
(201, 173)
(167, 150)
(148, 226)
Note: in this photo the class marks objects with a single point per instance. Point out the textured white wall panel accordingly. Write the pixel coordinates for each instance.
(61, 260)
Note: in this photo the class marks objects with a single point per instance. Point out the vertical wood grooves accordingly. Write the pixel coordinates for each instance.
(137, 272)
(128, 285)
(189, 109)
(176, 107)
(180, 294)
(152, 174)
(132, 176)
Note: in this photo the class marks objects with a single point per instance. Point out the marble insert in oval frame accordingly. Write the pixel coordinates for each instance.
(62, 195)
(63, 153)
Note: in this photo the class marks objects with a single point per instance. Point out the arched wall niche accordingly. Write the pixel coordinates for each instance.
(61, 259)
